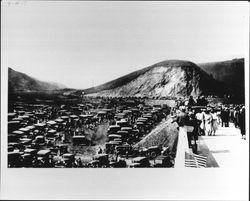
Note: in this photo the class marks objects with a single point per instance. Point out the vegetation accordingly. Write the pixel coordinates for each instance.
(230, 73)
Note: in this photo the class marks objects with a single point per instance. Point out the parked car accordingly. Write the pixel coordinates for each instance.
(113, 129)
(163, 161)
(27, 160)
(126, 150)
(112, 137)
(12, 138)
(39, 141)
(15, 159)
(32, 152)
(119, 164)
(68, 160)
(62, 148)
(134, 165)
(152, 152)
(13, 125)
(10, 148)
(80, 140)
(93, 164)
(143, 161)
(103, 159)
(44, 158)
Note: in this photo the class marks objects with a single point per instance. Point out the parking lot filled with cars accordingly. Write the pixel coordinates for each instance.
(90, 132)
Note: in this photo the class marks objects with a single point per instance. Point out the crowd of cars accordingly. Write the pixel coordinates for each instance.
(44, 135)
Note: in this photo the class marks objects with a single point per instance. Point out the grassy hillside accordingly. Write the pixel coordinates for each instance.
(226, 71)
(230, 72)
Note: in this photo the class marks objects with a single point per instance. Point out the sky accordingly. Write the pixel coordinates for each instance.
(82, 44)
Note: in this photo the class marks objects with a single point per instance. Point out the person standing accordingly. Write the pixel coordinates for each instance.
(218, 113)
(182, 117)
(223, 117)
(203, 101)
(237, 114)
(195, 133)
(227, 117)
(198, 101)
(208, 122)
(214, 122)
(201, 116)
(191, 101)
(242, 123)
(79, 162)
(231, 114)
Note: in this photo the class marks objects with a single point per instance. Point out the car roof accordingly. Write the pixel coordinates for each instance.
(94, 161)
(68, 154)
(139, 158)
(122, 131)
(15, 153)
(100, 155)
(154, 147)
(29, 150)
(79, 136)
(134, 164)
(114, 126)
(126, 128)
(43, 152)
(114, 135)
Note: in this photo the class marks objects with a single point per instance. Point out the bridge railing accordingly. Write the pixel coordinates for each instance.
(182, 148)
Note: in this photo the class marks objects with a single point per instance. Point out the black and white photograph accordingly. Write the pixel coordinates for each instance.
(120, 93)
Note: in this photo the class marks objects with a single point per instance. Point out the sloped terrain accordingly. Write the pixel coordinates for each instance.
(165, 134)
(167, 78)
(226, 71)
(175, 78)
(230, 72)
(18, 81)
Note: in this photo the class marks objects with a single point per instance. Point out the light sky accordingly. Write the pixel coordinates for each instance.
(81, 44)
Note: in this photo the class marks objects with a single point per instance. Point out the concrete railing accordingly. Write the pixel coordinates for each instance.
(182, 148)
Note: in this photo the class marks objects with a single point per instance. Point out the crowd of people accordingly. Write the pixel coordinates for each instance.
(201, 118)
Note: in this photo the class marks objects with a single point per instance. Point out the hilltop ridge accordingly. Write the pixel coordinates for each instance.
(18, 82)
(166, 78)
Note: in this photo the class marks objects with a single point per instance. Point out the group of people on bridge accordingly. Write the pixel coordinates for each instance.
(201, 118)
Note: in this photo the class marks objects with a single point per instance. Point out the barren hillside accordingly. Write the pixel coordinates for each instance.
(167, 78)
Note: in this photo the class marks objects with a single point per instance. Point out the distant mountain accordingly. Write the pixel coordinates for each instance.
(230, 72)
(20, 82)
(175, 78)
(168, 78)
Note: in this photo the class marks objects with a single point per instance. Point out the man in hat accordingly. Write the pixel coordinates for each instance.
(225, 117)
(227, 112)
(182, 117)
(192, 134)
(198, 101)
(191, 101)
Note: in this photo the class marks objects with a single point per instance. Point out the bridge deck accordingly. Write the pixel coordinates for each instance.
(226, 149)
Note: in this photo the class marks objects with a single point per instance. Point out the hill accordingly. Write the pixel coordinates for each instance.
(167, 78)
(230, 72)
(20, 82)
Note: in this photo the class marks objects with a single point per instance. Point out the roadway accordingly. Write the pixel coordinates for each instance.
(226, 149)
